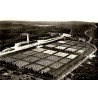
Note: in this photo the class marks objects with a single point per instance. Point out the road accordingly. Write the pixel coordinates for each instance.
(69, 70)
(90, 38)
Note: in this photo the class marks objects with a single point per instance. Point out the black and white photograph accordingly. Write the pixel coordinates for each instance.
(48, 48)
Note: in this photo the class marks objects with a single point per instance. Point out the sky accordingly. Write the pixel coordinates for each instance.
(49, 10)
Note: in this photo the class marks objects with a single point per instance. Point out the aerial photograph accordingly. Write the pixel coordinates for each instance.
(48, 50)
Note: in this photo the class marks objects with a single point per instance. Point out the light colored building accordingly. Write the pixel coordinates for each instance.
(66, 35)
